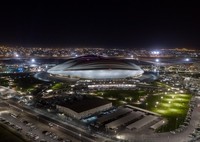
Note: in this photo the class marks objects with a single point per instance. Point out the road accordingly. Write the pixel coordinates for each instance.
(69, 130)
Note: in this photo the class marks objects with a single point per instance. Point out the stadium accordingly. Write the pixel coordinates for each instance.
(96, 67)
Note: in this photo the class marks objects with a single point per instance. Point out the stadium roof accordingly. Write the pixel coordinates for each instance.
(96, 62)
(96, 67)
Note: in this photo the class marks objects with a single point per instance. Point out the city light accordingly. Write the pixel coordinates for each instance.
(155, 52)
(100, 72)
(120, 137)
(187, 59)
(16, 55)
(32, 60)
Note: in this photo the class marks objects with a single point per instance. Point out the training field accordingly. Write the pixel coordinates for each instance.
(171, 104)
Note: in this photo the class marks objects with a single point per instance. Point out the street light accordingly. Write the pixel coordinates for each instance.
(187, 59)
(32, 60)
(156, 65)
(118, 137)
(157, 60)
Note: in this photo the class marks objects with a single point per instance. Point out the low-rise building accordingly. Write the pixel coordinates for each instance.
(84, 107)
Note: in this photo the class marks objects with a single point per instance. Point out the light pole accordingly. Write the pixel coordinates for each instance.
(79, 135)
(157, 66)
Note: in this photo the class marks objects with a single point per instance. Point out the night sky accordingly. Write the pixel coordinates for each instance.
(139, 24)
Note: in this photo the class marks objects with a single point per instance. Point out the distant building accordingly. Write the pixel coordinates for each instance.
(84, 107)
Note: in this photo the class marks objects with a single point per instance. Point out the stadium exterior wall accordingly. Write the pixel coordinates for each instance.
(83, 114)
(99, 74)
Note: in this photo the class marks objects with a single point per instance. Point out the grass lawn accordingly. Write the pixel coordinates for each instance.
(117, 97)
(171, 105)
(57, 86)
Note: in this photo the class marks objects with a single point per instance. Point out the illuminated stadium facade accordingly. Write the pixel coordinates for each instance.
(96, 67)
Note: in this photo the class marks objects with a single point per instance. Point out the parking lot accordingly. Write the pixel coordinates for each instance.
(32, 129)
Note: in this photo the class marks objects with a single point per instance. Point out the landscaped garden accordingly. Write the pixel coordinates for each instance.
(57, 86)
(172, 104)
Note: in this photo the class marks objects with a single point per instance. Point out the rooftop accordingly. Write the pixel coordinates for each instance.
(96, 63)
(84, 104)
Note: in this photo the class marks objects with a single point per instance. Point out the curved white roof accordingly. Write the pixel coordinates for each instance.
(95, 67)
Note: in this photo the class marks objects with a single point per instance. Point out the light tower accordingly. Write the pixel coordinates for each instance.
(157, 66)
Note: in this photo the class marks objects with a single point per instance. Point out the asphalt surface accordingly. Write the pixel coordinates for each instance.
(76, 133)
